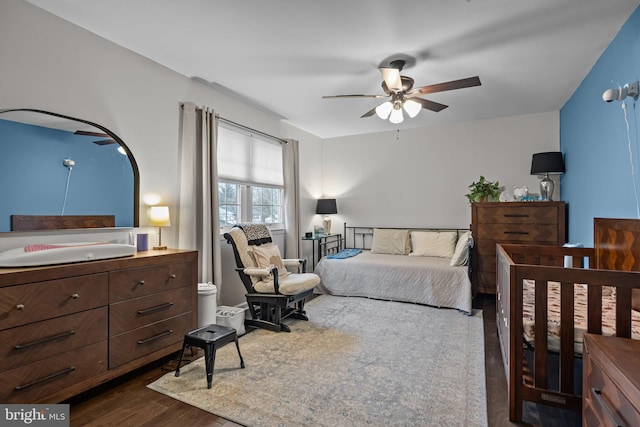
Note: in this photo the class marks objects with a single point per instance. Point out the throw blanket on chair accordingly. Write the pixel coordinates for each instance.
(257, 234)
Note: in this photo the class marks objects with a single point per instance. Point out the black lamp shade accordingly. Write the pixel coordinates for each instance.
(549, 162)
(326, 207)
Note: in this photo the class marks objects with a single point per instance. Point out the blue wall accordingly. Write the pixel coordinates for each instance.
(593, 136)
(33, 178)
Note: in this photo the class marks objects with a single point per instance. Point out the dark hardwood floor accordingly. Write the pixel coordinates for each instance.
(127, 401)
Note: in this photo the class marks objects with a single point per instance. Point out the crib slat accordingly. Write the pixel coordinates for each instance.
(566, 337)
(623, 312)
(594, 309)
(541, 328)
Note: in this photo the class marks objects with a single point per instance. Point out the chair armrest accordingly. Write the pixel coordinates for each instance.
(263, 272)
(296, 262)
(252, 271)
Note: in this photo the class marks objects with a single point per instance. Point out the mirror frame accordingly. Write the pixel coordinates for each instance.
(132, 160)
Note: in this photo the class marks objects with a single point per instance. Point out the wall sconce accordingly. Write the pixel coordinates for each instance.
(159, 217)
(544, 164)
(326, 207)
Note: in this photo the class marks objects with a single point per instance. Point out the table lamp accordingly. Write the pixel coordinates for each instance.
(159, 217)
(326, 207)
(544, 164)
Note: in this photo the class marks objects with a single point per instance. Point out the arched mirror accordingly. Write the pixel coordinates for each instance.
(67, 172)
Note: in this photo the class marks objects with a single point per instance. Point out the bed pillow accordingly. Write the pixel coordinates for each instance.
(390, 241)
(267, 255)
(461, 253)
(433, 243)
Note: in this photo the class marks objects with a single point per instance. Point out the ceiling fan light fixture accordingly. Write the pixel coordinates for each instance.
(412, 108)
(396, 116)
(383, 110)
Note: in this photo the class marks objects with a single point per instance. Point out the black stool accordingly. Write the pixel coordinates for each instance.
(210, 338)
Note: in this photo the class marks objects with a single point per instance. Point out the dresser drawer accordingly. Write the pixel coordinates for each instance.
(518, 233)
(138, 282)
(518, 215)
(35, 381)
(33, 302)
(127, 315)
(607, 401)
(133, 344)
(37, 341)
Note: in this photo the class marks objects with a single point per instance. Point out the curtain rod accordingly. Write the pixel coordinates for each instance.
(284, 141)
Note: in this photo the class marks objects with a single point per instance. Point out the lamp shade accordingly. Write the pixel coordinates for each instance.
(159, 216)
(548, 162)
(326, 207)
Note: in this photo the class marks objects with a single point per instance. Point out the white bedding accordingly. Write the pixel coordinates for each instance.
(422, 280)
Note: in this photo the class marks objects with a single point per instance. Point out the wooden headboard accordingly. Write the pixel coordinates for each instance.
(60, 222)
(617, 244)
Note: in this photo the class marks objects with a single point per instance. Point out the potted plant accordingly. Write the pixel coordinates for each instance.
(483, 191)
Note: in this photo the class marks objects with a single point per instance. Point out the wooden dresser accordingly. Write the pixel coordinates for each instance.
(611, 381)
(533, 223)
(67, 328)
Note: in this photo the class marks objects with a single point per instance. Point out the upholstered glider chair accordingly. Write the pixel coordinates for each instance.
(273, 293)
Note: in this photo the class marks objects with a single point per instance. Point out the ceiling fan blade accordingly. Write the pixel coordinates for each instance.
(442, 87)
(429, 105)
(105, 142)
(369, 113)
(353, 96)
(88, 133)
(392, 78)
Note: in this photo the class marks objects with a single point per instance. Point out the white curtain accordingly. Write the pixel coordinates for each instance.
(197, 225)
(290, 166)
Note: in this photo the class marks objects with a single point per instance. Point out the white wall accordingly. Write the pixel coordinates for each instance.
(421, 179)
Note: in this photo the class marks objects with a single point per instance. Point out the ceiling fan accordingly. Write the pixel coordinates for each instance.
(107, 141)
(405, 96)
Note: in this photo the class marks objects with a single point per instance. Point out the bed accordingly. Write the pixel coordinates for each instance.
(544, 308)
(421, 273)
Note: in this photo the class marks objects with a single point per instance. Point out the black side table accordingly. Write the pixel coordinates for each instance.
(210, 338)
(327, 244)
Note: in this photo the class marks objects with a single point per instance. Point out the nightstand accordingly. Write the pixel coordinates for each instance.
(326, 244)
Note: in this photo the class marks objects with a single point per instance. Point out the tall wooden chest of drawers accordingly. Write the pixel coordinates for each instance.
(67, 328)
(610, 381)
(532, 223)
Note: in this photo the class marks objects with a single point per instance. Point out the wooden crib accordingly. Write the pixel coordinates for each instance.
(612, 266)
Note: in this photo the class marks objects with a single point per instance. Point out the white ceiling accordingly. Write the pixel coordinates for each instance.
(283, 55)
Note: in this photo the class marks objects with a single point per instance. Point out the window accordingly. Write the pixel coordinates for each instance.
(228, 195)
(250, 183)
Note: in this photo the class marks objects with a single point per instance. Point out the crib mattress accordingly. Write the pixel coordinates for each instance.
(580, 315)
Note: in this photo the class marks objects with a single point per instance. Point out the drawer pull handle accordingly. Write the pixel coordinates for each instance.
(47, 378)
(141, 282)
(516, 216)
(172, 276)
(598, 396)
(75, 296)
(156, 308)
(156, 337)
(516, 232)
(20, 307)
(44, 340)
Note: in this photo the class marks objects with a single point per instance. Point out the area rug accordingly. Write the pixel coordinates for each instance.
(356, 362)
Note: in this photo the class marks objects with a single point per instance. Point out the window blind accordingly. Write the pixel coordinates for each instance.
(248, 158)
